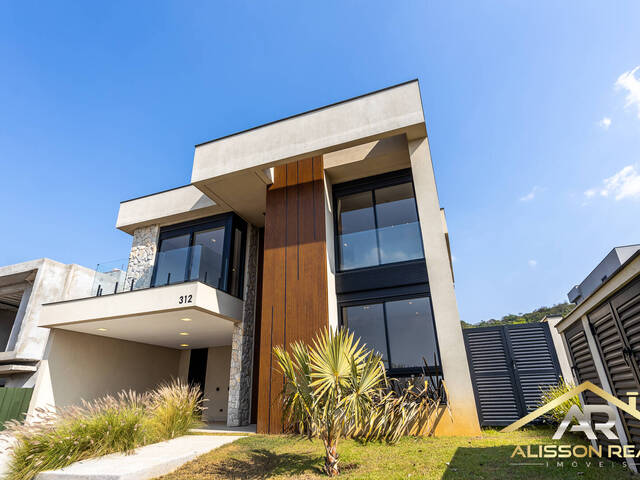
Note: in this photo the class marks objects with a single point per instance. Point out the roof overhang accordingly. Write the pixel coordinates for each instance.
(154, 316)
(618, 280)
(166, 208)
(234, 170)
(14, 369)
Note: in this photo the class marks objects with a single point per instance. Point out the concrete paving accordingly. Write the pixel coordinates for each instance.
(219, 427)
(146, 463)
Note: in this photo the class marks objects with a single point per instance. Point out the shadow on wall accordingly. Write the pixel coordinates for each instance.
(83, 366)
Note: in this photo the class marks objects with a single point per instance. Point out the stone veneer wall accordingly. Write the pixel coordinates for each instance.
(142, 257)
(239, 408)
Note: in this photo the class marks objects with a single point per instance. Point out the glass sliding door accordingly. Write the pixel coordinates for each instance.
(210, 251)
(207, 257)
(171, 262)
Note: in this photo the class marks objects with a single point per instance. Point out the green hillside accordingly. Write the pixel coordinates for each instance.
(535, 316)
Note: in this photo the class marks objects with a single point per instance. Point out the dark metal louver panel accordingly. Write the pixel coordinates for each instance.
(535, 360)
(493, 380)
(508, 366)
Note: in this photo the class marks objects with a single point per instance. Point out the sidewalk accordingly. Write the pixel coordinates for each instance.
(146, 463)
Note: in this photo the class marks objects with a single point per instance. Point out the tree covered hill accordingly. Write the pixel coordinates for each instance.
(535, 316)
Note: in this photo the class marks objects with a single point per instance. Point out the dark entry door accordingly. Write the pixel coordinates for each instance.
(198, 367)
(508, 366)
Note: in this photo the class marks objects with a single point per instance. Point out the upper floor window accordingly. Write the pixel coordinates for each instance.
(209, 250)
(377, 222)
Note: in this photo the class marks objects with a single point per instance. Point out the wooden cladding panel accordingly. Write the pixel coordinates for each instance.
(294, 295)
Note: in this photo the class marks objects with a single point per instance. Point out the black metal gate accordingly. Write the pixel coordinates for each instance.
(508, 366)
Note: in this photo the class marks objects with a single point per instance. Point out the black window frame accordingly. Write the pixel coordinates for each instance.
(230, 222)
(384, 282)
(391, 295)
(371, 184)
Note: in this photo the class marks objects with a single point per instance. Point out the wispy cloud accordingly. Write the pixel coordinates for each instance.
(628, 81)
(533, 263)
(605, 123)
(621, 185)
(531, 195)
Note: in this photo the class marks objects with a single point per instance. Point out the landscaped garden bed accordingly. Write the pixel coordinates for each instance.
(484, 457)
(113, 424)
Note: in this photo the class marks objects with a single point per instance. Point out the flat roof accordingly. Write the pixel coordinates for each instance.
(309, 111)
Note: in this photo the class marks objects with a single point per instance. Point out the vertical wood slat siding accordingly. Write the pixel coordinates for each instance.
(294, 291)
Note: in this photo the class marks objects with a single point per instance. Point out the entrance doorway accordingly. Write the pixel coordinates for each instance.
(198, 367)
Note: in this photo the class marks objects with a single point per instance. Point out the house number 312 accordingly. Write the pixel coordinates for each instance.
(185, 299)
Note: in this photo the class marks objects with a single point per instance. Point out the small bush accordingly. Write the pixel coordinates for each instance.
(107, 425)
(551, 392)
(174, 410)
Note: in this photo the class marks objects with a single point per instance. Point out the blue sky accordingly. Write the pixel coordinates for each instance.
(101, 102)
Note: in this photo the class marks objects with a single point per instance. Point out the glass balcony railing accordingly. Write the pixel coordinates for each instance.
(195, 263)
(189, 264)
(368, 248)
(110, 278)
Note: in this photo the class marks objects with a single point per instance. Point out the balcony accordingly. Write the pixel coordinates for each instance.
(180, 306)
(188, 315)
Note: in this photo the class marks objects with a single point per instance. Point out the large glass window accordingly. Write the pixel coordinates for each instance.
(210, 251)
(401, 330)
(378, 226)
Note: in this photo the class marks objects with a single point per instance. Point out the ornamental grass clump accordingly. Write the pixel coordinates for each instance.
(549, 393)
(174, 409)
(112, 424)
(337, 388)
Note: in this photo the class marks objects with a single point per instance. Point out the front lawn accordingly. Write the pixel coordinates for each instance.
(485, 457)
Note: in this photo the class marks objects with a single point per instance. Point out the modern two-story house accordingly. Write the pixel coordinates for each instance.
(325, 219)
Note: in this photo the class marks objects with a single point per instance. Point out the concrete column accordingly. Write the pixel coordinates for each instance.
(561, 352)
(142, 257)
(453, 357)
(241, 370)
(331, 255)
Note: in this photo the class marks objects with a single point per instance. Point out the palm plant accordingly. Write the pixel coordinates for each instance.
(337, 388)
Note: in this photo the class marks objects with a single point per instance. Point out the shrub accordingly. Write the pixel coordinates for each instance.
(551, 392)
(174, 410)
(337, 388)
(111, 424)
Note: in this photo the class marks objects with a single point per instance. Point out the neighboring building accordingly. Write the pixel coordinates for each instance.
(327, 218)
(609, 264)
(24, 287)
(601, 337)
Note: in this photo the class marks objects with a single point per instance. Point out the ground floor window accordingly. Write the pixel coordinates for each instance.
(401, 330)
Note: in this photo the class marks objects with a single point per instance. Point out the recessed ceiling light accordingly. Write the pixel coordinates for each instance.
(185, 319)
(102, 329)
(184, 344)
(184, 334)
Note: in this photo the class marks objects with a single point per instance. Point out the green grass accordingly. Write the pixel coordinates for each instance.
(484, 457)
